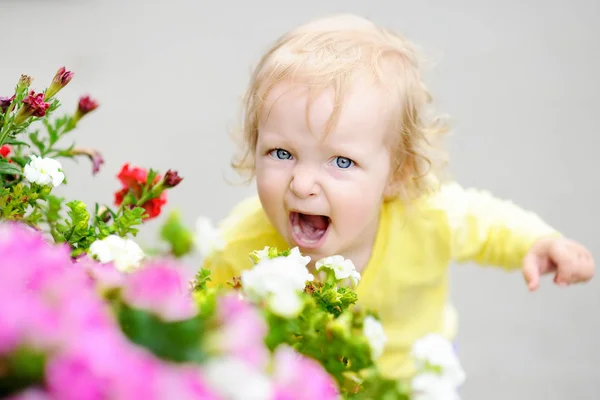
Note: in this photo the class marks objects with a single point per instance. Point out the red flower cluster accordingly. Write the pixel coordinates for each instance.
(132, 180)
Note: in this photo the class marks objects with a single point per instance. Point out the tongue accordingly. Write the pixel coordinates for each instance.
(313, 227)
(316, 222)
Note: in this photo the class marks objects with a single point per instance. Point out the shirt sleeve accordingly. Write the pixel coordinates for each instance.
(488, 230)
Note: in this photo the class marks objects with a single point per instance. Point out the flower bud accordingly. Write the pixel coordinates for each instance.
(172, 179)
(25, 81)
(60, 80)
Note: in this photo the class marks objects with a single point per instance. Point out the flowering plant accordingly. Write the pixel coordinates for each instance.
(88, 314)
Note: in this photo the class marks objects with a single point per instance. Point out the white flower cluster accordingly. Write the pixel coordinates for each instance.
(342, 268)
(44, 171)
(279, 281)
(124, 253)
(439, 371)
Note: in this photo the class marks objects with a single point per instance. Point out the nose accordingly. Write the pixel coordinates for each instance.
(304, 182)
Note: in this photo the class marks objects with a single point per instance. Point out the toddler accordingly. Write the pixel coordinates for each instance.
(348, 161)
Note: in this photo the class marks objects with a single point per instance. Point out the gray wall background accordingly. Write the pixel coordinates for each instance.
(519, 78)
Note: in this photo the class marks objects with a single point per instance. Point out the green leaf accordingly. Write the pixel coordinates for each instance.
(9, 169)
(174, 341)
(33, 136)
(15, 142)
(175, 233)
(125, 223)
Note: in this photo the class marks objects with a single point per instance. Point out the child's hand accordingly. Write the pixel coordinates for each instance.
(571, 262)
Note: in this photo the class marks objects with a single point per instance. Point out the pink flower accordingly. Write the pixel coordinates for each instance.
(162, 289)
(102, 365)
(183, 383)
(104, 275)
(243, 330)
(297, 377)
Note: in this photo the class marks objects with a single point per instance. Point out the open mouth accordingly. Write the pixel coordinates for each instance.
(309, 231)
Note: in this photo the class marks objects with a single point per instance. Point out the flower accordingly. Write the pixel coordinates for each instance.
(161, 289)
(60, 80)
(234, 379)
(124, 253)
(86, 105)
(182, 383)
(207, 238)
(373, 331)
(297, 377)
(237, 315)
(44, 171)
(275, 274)
(172, 179)
(133, 180)
(5, 150)
(439, 370)
(341, 267)
(94, 156)
(33, 104)
(286, 304)
(432, 386)
(5, 102)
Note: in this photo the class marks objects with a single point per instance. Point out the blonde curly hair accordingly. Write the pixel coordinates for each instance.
(330, 53)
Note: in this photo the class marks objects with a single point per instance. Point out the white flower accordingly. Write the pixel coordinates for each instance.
(44, 171)
(208, 239)
(272, 275)
(279, 280)
(234, 379)
(287, 304)
(439, 370)
(373, 331)
(124, 253)
(432, 386)
(341, 267)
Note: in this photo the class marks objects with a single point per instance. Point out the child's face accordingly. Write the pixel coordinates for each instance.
(323, 192)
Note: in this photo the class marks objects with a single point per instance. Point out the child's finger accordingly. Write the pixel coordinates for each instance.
(531, 271)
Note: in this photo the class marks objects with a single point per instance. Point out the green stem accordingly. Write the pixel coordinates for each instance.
(5, 124)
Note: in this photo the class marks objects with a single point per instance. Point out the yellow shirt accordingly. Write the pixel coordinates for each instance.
(406, 279)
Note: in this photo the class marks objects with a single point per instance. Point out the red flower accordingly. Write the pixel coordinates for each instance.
(34, 104)
(133, 180)
(86, 105)
(5, 150)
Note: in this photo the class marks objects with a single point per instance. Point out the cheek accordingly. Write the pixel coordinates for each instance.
(271, 182)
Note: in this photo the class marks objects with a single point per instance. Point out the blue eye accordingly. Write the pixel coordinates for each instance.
(281, 154)
(343, 162)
